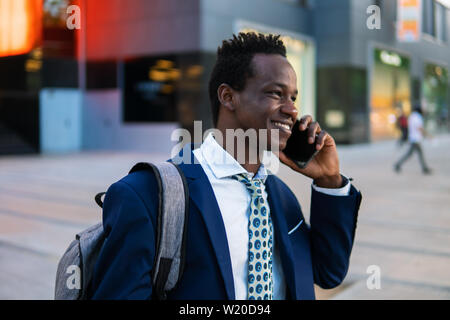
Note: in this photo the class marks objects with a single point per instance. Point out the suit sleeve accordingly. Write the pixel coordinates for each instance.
(123, 269)
(333, 225)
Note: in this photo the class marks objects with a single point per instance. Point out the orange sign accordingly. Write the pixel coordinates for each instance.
(409, 3)
(20, 26)
(409, 20)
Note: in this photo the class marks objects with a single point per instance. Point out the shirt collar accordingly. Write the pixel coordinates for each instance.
(222, 164)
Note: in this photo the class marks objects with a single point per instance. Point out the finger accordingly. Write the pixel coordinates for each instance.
(304, 122)
(314, 128)
(321, 139)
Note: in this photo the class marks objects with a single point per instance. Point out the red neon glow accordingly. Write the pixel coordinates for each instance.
(20, 26)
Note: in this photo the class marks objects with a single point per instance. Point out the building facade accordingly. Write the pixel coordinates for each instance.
(136, 70)
(365, 76)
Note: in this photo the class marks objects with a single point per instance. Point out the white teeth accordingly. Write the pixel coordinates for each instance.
(282, 125)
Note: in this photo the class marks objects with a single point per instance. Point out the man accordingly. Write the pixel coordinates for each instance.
(402, 124)
(246, 235)
(416, 133)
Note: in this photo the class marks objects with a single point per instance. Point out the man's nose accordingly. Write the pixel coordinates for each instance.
(290, 109)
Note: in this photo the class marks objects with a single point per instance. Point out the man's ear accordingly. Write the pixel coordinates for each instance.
(226, 96)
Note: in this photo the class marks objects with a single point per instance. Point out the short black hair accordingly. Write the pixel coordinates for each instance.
(233, 65)
(417, 107)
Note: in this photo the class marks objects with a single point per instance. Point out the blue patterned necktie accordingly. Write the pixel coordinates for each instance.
(260, 286)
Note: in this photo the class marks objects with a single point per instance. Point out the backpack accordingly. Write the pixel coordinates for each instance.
(403, 121)
(76, 266)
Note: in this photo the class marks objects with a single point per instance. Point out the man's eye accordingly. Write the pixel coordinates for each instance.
(277, 93)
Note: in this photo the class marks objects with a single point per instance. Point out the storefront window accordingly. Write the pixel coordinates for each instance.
(390, 92)
(435, 93)
(163, 89)
(149, 90)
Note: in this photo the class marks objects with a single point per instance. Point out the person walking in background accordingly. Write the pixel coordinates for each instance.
(402, 124)
(416, 133)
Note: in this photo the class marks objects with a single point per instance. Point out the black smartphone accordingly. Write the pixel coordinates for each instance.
(298, 149)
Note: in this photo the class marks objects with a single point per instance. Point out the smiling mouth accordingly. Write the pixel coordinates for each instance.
(282, 126)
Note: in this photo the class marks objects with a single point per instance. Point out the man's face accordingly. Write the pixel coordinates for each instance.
(267, 101)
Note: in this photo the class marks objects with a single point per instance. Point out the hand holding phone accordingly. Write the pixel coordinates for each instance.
(298, 149)
(317, 159)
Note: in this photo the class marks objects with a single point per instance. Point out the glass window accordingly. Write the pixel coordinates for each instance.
(435, 92)
(440, 21)
(163, 89)
(149, 93)
(390, 92)
(434, 19)
(428, 17)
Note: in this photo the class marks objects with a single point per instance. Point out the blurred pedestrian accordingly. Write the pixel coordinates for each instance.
(402, 124)
(416, 133)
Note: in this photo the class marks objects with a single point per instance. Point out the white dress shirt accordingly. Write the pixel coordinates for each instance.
(234, 201)
(415, 124)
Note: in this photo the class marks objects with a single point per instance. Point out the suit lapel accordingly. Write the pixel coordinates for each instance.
(202, 195)
(281, 235)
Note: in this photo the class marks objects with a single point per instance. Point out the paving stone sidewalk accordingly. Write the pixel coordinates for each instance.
(403, 228)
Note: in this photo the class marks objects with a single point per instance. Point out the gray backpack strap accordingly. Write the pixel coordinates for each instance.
(172, 223)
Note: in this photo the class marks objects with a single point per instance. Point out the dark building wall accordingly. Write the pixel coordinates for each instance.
(343, 89)
(19, 106)
(124, 28)
(218, 18)
(331, 21)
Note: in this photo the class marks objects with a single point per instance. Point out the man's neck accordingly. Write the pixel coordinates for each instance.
(251, 165)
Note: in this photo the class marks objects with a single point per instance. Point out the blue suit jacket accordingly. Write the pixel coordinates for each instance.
(311, 254)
